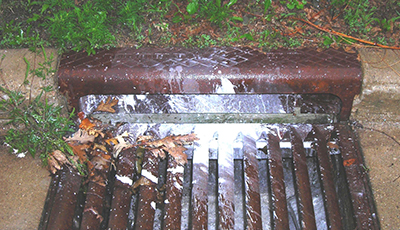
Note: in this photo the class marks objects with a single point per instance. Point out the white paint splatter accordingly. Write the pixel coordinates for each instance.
(149, 176)
(124, 179)
(153, 205)
(226, 87)
(178, 169)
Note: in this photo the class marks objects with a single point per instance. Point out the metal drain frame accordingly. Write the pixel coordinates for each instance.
(183, 71)
(201, 71)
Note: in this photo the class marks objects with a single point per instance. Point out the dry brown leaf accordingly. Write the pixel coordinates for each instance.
(99, 146)
(56, 160)
(86, 124)
(95, 132)
(174, 146)
(53, 165)
(178, 154)
(144, 138)
(121, 143)
(107, 106)
(82, 136)
(158, 153)
(95, 212)
(100, 162)
(79, 150)
(141, 181)
(60, 157)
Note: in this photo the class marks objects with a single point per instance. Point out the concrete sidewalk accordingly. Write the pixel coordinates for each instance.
(25, 182)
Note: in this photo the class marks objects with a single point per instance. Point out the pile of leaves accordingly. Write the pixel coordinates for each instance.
(95, 147)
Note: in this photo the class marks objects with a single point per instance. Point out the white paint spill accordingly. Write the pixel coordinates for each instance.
(153, 205)
(124, 179)
(178, 169)
(226, 87)
(149, 176)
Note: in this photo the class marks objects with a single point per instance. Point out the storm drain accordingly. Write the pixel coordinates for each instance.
(272, 150)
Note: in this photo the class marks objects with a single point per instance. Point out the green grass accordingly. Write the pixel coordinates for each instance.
(38, 127)
(93, 24)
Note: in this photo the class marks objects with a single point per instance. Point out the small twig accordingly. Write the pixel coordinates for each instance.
(390, 66)
(360, 126)
(346, 36)
(396, 178)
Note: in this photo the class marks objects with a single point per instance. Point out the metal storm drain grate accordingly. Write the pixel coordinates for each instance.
(272, 150)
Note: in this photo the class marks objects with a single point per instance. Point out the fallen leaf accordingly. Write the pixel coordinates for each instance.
(53, 165)
(79, 150)
(121, 143)
(82, 136)
(141, 181)
(86, 124)
(100, 162)
(56, 160)
(107, 106)
(95, 132)
(95, 212)
(349, 162)
(99, 146)
(173, 145)
(144, 138)
(158, 153)
(60, 157)
(178, 154)
(81, 115)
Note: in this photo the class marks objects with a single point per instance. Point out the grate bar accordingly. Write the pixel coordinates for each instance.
(94, 206)
(199, 216)
(173, 193)
(122, 193)
(357, 180)
(252, 184)
(325, 168)
(64, 200)
(147, 193)
(306, 210)
(226, 180)
(279, 208)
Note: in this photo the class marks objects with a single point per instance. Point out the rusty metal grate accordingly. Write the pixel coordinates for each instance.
(244, 172)
(242, 176)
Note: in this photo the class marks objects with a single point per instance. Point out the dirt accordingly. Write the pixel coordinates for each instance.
(382, 157)
(377, 110)
(24, 183)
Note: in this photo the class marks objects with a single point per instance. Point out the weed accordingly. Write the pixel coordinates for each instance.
(298, 4)
(386, 24)
(80, 28)
(14, 35)
(38, 126)
(358, 16)
(201, 41)
(214, 11)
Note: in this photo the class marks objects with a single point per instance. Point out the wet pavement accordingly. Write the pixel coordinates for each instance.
(376, 108)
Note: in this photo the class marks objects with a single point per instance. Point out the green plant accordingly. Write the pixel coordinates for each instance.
(214, 11)
(14, 35)
(80, 28)
(37, 125)
(358, 16)
(386, 24)
(298, 4)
